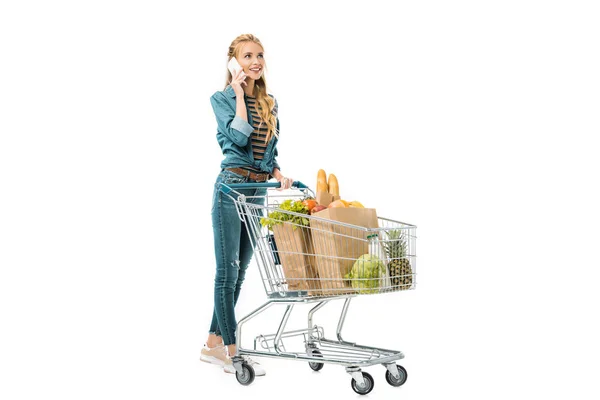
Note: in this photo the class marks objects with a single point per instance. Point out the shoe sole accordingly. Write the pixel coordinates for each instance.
(212, 360)
(221, 363)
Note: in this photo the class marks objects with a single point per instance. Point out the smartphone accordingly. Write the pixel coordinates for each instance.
(233, 66)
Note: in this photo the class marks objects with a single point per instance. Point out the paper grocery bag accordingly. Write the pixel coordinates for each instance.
(325, 198)
(296, 254)
(337, 247)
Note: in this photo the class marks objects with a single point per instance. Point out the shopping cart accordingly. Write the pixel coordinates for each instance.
(308, 259)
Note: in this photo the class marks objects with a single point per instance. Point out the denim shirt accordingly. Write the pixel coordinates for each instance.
(233, 134)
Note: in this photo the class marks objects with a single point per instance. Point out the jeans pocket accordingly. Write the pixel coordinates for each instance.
(226, 177)
(231, 177)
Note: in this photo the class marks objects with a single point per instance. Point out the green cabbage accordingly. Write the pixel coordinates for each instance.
(366, 273)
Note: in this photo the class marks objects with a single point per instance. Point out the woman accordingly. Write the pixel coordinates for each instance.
(248, 131)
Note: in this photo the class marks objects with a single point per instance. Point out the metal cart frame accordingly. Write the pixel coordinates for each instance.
(318, 349)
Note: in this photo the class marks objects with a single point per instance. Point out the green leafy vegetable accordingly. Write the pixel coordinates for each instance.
(366, 273)
(278, 217)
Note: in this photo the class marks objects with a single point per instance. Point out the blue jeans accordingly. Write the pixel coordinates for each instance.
(233, 252)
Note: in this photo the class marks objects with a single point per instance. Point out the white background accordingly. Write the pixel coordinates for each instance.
(474, 120)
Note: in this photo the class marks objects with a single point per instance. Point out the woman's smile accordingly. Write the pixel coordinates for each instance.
(255, 70)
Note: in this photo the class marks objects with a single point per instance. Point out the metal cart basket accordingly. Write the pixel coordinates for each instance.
(308, 259)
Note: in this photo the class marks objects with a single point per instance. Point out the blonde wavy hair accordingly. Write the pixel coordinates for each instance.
(265, 102)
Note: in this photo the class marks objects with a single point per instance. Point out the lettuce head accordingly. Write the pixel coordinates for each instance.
(367, 273)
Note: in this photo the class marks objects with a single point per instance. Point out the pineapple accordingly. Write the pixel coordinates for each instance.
(399, 267)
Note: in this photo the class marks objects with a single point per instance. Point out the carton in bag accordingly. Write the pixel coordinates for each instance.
(337, 247)
(295, 250)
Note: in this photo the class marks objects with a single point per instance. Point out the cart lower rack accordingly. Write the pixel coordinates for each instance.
(309, 259)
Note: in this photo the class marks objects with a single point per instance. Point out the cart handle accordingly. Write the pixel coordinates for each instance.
(254, 185)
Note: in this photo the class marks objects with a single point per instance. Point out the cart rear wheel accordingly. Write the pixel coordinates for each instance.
(401, 379)
(247, 377)
(316, 366)
(368, 386)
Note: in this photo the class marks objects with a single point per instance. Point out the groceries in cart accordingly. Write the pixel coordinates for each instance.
(327, 246)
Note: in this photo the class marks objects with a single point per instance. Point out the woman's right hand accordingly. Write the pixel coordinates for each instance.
(237, 81)
(286, 183)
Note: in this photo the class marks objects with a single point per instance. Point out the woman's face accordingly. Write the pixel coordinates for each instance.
(252, 59)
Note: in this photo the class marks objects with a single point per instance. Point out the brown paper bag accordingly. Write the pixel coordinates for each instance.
(324, 198)
(295, 251)
(337, 247)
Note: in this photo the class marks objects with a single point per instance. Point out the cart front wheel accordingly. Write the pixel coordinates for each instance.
(401, 379)
(316, 366)
(367, 387)
(247, 377)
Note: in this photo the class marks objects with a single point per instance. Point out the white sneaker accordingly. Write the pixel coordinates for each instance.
(228, 366)
(214, 355)
(258, 369)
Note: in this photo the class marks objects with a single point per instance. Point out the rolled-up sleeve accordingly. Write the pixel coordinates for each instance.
(233, 127)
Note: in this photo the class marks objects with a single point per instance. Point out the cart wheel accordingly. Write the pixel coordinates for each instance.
(316, 366)
(369, 383)
(247, 377)
(396, 382)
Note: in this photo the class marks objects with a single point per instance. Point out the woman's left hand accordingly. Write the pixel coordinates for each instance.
(286, 183)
